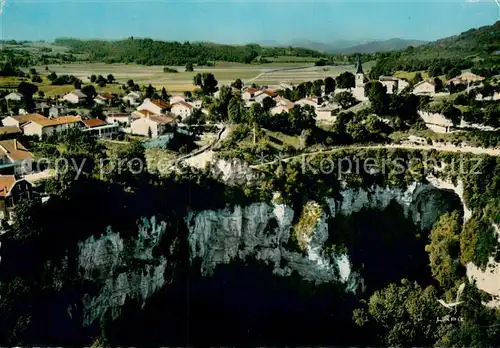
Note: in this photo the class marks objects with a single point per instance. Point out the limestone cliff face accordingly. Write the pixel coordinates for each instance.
(263, 231)
(127, 269)
(109, 261)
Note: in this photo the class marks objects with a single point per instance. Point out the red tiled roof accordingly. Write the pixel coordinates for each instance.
(28, 118)
(161, 103)
(6, 184)
(57, 121)
(94, 122)
(14, 150)
(183, 103)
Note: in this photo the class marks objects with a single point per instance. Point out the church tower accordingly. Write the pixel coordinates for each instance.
(360, 75)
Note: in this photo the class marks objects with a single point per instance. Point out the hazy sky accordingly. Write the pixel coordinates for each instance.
(243, 21)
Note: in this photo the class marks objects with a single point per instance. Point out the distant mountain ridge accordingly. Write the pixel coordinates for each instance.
(348, 46)
(395, 44)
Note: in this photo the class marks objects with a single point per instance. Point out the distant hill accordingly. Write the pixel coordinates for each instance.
(383, 46)
(154, 52)
(466, 50)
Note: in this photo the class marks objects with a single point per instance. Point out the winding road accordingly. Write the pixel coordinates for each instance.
(437, 147)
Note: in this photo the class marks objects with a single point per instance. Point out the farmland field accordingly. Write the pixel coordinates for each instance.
(266, 74)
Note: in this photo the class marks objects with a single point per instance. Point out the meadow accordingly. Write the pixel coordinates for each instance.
(271, 74)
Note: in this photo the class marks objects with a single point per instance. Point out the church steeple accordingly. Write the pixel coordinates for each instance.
(359, 67)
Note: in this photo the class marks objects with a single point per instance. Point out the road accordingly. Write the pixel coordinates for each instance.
(441, 148)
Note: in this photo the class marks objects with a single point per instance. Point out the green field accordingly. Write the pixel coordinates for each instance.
(271, 74)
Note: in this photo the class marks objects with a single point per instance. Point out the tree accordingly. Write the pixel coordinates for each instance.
(93, 78)
(130, 83)
(329, 85)
(78, 84)
(164, 95)
(438, 83)
(345, 99)
(188, 94)
(316, 89)
(444, 249)
(37, 79)
(403, 315)
(110, 78)
(236, 110)
(150, 91)
(434, 70)
(346, 80)
(453, 72)
(238, 84)
(268, 103)
(32, 71)
(189, 66)
(451, 113)
(417, 78)
(52, 76)
(27, 89)
(207, 83)
(89, 91)
(100, 80)
(377, 94)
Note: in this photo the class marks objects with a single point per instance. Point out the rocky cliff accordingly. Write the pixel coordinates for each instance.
(268, 232)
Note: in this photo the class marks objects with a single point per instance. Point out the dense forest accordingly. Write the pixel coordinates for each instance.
(152, 52)
(474, 47)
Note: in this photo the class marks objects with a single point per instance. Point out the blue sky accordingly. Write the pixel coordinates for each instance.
(243, 21)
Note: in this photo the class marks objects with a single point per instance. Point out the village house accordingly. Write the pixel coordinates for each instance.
(176, 98)
(133, 98)
(14, 96)
(42, 108)
(156, 106)
(285, 107)
(182, 109)
(307, 101)
(425, 87)
(104, 98)
(15, 158)
(57, 110)
(10, 132)
(20, 120)
(99, 128)
(465, 78)
(261, 95)
(142, 113)
(249, 94)
(152, 125)
(50, 126)
(75, 97)
(121, 119)
(393, 84)
(12, 192)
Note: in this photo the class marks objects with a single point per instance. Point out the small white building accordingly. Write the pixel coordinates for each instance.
(75, 97)
(20, 120)
(182, 109)
(393, 84)
(14, 154)
(249, 94)
(307, 101)
(281, 108)
(57, 110)
(14, 96)
(157, 106)
(121, 119)
(103, 130)
(425, 88)
(176, 98)
(134, 98)
(153, 126)
(51, 126)
(104, 98)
